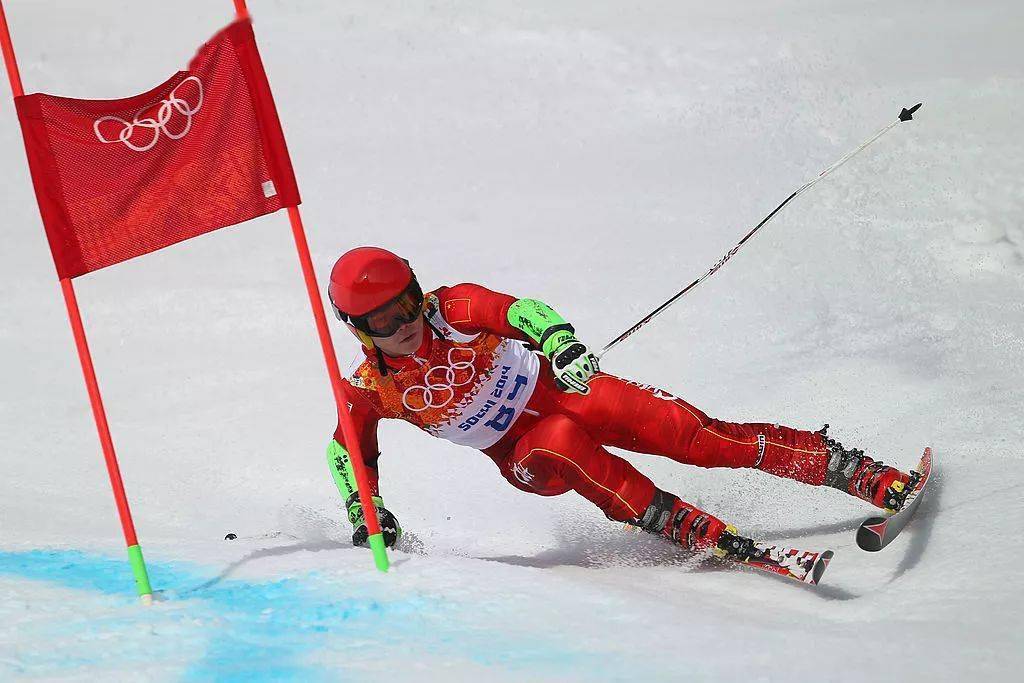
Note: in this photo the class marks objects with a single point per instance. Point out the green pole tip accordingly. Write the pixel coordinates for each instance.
(139, 570)
(380, 552)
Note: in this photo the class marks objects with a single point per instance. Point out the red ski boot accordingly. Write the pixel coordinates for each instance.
(861, 476)
(681, 522)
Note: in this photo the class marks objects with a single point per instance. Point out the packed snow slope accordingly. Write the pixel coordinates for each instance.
(597, 155)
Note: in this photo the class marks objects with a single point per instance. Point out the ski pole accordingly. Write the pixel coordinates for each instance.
(905, 115)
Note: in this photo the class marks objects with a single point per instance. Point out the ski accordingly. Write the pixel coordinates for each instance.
(800, 565)
(232, 536)
(805, 566)
(878, 531)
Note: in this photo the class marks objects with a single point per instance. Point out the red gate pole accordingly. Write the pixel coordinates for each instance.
(109, 456)
(241, 11)
(376, 538)
(380, 554)
(138, 564)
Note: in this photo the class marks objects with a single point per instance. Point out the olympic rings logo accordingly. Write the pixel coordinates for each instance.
(156, 122)
(438, 390)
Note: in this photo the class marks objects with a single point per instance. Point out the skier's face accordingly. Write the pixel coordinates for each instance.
(403, 342)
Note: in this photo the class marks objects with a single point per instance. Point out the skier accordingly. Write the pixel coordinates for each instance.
(509, 377)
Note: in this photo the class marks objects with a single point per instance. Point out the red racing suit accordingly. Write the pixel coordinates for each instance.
(475, 381)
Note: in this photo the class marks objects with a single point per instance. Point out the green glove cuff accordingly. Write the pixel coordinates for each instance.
(345, 479)
(341, 469)
(555, 340)
(535, 319)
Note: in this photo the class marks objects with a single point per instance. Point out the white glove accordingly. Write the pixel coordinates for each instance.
(571, 361)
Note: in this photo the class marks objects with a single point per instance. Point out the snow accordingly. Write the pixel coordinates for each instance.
(597, 155)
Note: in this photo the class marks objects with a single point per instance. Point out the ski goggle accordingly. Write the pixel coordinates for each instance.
(386, 320)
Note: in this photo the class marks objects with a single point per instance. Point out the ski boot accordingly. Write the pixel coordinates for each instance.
(868, 479)
(685, 524)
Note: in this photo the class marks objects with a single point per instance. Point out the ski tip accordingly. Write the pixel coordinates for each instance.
(908, 114)
(877, 531)
(871, 534)
(820, 565)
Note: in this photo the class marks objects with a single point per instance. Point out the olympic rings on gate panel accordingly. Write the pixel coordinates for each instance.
(456, 374)
(158, 125)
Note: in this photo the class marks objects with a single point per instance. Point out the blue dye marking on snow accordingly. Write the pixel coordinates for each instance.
(227, 618)
(269, 630)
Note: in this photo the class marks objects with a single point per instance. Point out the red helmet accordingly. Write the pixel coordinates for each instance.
(374, 290)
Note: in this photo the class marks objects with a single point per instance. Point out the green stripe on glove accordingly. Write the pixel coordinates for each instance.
(345, 479)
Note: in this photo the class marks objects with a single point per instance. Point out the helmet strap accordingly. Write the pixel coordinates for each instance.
(437, 333)
(382, 365)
